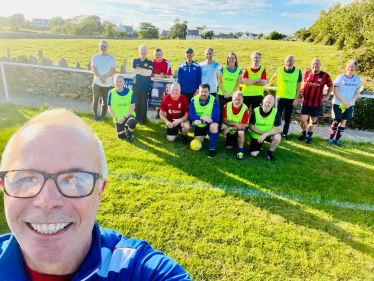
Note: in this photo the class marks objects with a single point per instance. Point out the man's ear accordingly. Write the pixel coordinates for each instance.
(102, 186)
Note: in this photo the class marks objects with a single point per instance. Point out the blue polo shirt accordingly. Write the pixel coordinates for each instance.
(142, 82)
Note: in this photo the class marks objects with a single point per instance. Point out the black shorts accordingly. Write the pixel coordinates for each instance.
(231, 139)
(201, 131)
(254, 101)
(174, 131)
(121, 127)
(255, 145)
(314, 111)
(337, 113)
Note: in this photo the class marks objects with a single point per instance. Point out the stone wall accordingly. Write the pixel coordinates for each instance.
(48, 82)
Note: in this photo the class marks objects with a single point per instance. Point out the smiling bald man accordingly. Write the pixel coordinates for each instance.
(53, 177)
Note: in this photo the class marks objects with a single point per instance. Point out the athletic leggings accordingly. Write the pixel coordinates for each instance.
(222, 101)
(286, 105)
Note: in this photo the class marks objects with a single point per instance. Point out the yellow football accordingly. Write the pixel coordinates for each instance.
(195, 144)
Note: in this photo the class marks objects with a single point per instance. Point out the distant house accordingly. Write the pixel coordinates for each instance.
(223, 36)
(193, 35)
(126, 28)
(165, 33)
(40, 23)
(250, 36)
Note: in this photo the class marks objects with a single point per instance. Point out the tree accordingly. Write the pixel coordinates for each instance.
(201, 28)
(208, 34)
(147, 31)
(109, 29)
(16, 19)
(302, 34)
(56, 21)
(178, 30)
(239, 34)
(274, 35)
(259, 36)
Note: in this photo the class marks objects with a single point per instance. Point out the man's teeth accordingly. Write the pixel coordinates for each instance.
(49, 228)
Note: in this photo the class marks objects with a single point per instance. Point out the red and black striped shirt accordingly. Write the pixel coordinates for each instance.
(313, 87)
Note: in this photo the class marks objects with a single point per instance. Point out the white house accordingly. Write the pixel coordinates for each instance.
(193, 35)
(40, 23)
(250, 36)
(126, 28)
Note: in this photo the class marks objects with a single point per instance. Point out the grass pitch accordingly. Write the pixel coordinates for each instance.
(307, 216)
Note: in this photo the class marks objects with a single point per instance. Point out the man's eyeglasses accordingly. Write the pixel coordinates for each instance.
(104, 47)
(27, 183)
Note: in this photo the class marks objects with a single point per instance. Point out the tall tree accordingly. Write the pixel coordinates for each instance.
(179, 29)
(147, 31)
(16, 19)
(56, 21)
(259, 36)
(201, 28)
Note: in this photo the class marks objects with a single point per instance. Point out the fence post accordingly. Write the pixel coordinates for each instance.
(40, 54)
(4, 83)
(8, 52)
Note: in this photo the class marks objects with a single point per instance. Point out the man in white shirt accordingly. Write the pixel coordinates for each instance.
(103, 67)
(210, 71)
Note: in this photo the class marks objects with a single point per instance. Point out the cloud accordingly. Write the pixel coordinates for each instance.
(195, 7)
(314, 2)
(304, 16)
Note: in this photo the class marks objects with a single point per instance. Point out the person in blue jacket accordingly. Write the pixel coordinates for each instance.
(53, 174)
(189, 76)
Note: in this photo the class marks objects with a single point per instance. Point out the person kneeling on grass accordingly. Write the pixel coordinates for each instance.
(174, 112)
(235, 115)
(204, 113)
(265, 125)
(121, 104)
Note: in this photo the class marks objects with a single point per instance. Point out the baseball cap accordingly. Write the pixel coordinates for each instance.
(189, 50)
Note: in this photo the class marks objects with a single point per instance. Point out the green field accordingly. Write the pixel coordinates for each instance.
(273, 52)
(307, 216)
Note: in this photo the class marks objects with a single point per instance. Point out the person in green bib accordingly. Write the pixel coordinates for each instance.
(229, 79)
(204, 113)
(265, 125)
(254, 80)
(121, 106)
(289, 80)
(235, 116)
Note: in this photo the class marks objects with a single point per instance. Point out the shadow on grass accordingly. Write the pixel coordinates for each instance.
(298, 172)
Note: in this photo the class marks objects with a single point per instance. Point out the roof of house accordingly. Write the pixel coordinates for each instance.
(193, 32)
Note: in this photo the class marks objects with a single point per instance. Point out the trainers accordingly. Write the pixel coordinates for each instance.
(285, 137)
(184, 139)
(96, 117)
(270, 157)
(302, 137)
(211, 153)
(130, 138)
(102, 118)
(308, 140)
(330, 141)
(157, 114)
(239, 156)
(338, 143)
(142, 122)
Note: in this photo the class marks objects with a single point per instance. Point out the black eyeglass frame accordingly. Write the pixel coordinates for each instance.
(47, 176)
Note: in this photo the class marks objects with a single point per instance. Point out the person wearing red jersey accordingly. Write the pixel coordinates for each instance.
(161, 69)
(235, 115)
(174, 112)
(254, 80)
(314, 82)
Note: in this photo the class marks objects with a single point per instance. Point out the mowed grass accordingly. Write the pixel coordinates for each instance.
(307, 216)
(273, 52)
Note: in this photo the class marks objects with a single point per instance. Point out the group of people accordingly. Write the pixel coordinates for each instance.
(207, 96)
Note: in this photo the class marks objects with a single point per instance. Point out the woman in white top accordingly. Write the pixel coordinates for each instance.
(346, 91)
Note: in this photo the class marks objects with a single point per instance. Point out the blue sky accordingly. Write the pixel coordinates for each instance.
(225, 16)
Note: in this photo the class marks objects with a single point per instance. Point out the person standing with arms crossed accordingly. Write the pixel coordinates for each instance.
(254, 80)
(103, 67)
(210, 71)
(142, 68)
(229, 79)
(289, 80)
